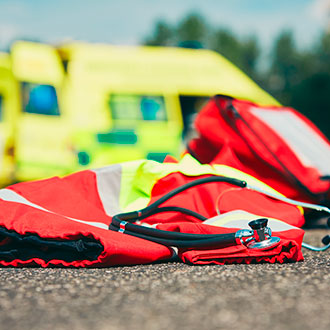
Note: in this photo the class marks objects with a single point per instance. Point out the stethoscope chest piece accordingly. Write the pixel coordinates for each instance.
(259, 237)
(264, 245)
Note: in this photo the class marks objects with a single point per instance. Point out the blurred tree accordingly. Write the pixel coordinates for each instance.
(193, 32)
(243, 53)
(301, 79)
(284, 72)
(163, 35)
(250, 55)
(311, 95)
(297, 78)
(225, 43)
(192, 28)
(322, 53)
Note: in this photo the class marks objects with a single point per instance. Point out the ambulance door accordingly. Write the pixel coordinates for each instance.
(8, 116)
(43, 133)
(160, 127)
(6, 142)
(143, 125)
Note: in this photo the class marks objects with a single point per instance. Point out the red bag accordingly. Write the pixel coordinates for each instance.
(277, 145)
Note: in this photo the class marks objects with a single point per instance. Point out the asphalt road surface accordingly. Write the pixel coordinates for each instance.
(171, 296)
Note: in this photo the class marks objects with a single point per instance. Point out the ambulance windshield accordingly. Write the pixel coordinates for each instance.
(137, 107)
(40, 99)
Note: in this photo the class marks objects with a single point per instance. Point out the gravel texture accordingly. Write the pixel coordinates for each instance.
(171, 296)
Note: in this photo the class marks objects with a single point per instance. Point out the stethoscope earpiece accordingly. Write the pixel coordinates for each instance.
(326, 240)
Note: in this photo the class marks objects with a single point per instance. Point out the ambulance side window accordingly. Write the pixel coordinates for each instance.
(1, 105)
(40, 99)
(137, 107)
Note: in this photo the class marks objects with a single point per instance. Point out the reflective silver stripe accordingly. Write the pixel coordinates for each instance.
(316, 207)
(274, 225)
(11, 196)
(243, 222)
(108, 181)
(308, 146)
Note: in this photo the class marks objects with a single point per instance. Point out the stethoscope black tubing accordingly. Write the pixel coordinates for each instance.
(173, 209)
(169, 238)
(191, 184)
(220, 240)
(161, 233)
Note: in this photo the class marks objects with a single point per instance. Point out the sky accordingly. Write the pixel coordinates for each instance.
(129, 22)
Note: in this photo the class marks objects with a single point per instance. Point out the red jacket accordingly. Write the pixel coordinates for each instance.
(64, 221)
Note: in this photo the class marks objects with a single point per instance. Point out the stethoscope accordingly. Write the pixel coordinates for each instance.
(258, 237)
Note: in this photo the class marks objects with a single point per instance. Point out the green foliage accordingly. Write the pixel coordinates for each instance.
(226, 43)
(243, 53)
(311, 96)
(162, 36)
(297, 78)
(301, 79)
(193, 31)
(284, 67)
(251, 52)
(193, 27)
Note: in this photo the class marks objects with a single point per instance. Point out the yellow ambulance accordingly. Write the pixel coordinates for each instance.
(9, 111)
(86, 105)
